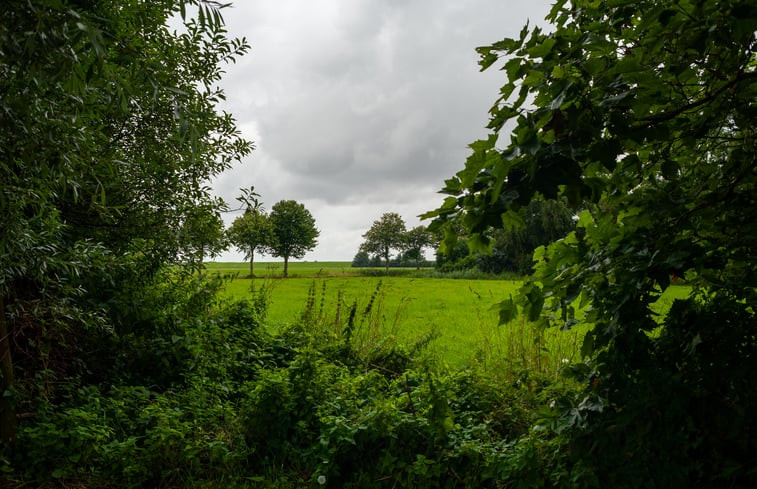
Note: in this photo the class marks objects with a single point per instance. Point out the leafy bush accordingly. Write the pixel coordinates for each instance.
(686, 403)
(132, 437)
(222, 400)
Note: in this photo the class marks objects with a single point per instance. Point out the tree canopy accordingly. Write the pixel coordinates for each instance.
(511, 250)
(386, 234)
(110, 132)
(251, 232)
(202, 233)
(294, 231)
(644, 116)
(415, 240)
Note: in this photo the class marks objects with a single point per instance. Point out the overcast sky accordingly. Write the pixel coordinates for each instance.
(361, 107)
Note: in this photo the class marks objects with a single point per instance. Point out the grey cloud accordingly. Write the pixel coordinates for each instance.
(360, 106)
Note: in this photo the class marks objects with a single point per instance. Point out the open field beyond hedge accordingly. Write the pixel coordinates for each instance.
(459, 315)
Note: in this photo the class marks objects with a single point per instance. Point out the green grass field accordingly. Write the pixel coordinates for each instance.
(461, 314)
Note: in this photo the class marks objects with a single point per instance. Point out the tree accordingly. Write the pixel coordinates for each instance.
(294, 231)
(511, 250)
(543, 222)
(109, 131)
(452, 251)
(414, 241)
(644, 115)
(361, 259)
(202, 233)
(385, 235)
(251, 232)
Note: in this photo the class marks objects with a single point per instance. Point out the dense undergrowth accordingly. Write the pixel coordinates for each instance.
(199, 394)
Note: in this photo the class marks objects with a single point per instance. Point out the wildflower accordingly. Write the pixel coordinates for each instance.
(321, 480)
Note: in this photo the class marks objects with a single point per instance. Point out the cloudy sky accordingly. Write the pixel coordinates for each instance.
(361, 107)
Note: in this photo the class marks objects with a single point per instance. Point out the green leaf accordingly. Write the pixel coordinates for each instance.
(543, 49)
(507, 90)
(514, 68)
(512, 220)
(594, 66)
(670, 169)
(507, 311)
(479, 242)
(535, 300)
(587, 347)
(487, 58)
(665, 16)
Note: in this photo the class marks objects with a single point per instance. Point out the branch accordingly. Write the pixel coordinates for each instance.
(650, 121)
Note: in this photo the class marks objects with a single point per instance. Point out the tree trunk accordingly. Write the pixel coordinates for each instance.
(252, 258)
(286, 266)
(386, 260)
(7, 411)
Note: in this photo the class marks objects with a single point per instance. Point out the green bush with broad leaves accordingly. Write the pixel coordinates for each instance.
(643, 119)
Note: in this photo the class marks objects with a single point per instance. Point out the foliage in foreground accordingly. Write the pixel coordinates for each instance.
(110, 132)
(644, 120)
(236, 406)
(131, 377)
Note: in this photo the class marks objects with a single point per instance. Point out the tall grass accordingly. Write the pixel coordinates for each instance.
(454, 320)
(450, 321)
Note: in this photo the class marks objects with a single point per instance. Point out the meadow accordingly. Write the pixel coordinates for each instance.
(453, 320)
